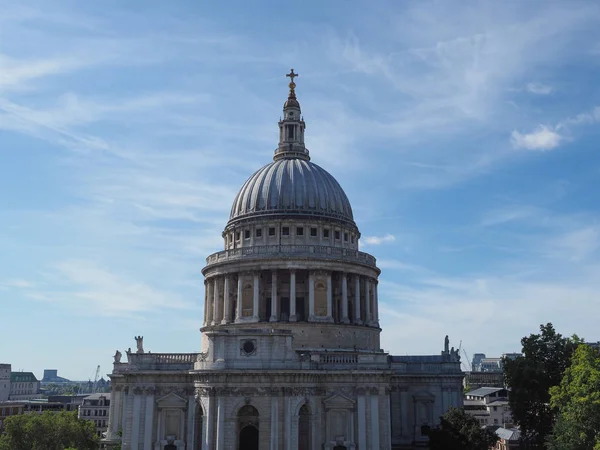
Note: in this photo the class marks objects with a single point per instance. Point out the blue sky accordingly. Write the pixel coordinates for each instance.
(464, 133)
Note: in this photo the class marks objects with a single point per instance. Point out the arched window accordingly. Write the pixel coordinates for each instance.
(247, 428)
(304, 434)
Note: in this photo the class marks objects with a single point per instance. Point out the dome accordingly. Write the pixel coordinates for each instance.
(292, 186)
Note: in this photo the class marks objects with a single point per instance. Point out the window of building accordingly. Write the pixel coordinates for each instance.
(495, 421)
(271, 231)
(259, 232)
(352, 239)
(313, 232)
(326, 233)
(237, 236)
(346, 237)
(289, 131)
(285, 231)
(337, 234)
(299, 231)
(246, 234)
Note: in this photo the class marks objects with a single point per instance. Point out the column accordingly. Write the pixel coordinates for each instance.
(288, 424)
(209, 301)
(238, 310)
(367, 301)
(115, 412)
(226, 301)
(190, 422)
(149, 422)
(375, 420)
(311, 296)
(255, 305)
(220, 424)
(362, 421)
(274, 302)
(357, 299)
(135, 427)
(345, 298)
(205, 302)
(274, 421)
(293, 317)
(217, 303)
(376, 303)
(329, 298)
(209, 428)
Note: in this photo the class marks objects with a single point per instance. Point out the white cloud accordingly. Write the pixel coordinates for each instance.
(543, 138)
(539, 88)
(17, 283)
(378, 240)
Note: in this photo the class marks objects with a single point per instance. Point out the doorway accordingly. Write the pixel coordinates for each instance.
(249, 438)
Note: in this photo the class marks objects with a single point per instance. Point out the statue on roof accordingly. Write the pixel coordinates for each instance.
(139, 340)
(446, 345)
(117, 356)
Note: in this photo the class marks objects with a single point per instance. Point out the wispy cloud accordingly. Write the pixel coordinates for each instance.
(539, 88)
(542, 138)
(378, 240)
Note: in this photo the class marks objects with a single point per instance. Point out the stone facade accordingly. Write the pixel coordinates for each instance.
(290, 352)
(5, 370)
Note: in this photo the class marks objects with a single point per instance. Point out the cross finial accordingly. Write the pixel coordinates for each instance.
(292, 85)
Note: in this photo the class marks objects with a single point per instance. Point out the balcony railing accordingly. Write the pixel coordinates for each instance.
(291, 251)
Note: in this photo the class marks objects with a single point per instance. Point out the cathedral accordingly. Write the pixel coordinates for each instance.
(290, 353)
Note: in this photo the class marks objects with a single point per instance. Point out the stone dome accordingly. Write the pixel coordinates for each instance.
(292, 187)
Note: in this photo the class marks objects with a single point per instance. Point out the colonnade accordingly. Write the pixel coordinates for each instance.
(280, 295)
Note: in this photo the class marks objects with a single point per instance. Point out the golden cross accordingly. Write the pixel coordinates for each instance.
(292, 75)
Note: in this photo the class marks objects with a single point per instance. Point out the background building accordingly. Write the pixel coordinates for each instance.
(95, 408)
(51, 376)
(489, 406)
(5, 370)
(24, 386)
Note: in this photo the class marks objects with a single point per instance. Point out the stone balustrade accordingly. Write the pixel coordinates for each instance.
(291, 251)
(164, 360)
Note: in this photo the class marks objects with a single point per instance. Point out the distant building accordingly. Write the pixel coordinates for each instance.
(24, 386)
(475, 380)
(5, 370)
(95, 408)
(8, 409)
(508, 439)
(595, 345)
(512, 356)
(51, 376)
(477, 357)
(488, 405)
(70, 402)
(491, 365)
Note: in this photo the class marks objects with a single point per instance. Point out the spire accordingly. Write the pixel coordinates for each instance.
(291, 127)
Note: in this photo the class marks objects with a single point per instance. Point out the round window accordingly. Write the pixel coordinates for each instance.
(248, 347)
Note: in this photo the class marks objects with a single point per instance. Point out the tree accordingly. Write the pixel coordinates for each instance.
(577, 400)
(48, 431)
(545, 358)
(460, 431)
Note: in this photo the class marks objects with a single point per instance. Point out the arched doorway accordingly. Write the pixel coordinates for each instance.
(249, 438)
(247, 428)
(340, 447)
(170, 447)
(304, 434)
(198, 416)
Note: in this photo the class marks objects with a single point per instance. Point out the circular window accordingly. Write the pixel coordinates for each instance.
(248, 347)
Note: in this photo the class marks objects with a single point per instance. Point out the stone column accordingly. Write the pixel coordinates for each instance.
(220, 424)
(226, 301)
(367, 301)
(205, 322)
(311, 296)
(135, 427)
(274, 302)
(329, 298)
(274, 421)
(255, 305)
(149, 422)
(374, 420)
(345, 298)
(209, 430)
(238, 309)
(191, 411)
(376, 303)
(209, 301)
(362, 421)
(217, 303)
(357, 299)
(293, 317)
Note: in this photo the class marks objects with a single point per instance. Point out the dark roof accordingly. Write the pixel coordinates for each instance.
(508, 434)
(22, 377)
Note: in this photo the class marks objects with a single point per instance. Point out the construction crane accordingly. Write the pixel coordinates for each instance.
(467, 359)
(95, 385)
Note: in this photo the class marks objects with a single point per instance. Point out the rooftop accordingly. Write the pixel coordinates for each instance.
(22, 377)
(508, 434)
(483, 391)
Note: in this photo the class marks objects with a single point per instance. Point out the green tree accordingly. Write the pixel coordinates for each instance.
(48, 431)
(577, 400)
(460, 431)
(545, 358)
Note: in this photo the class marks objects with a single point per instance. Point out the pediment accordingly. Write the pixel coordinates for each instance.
(338, 401)
(171, 400)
